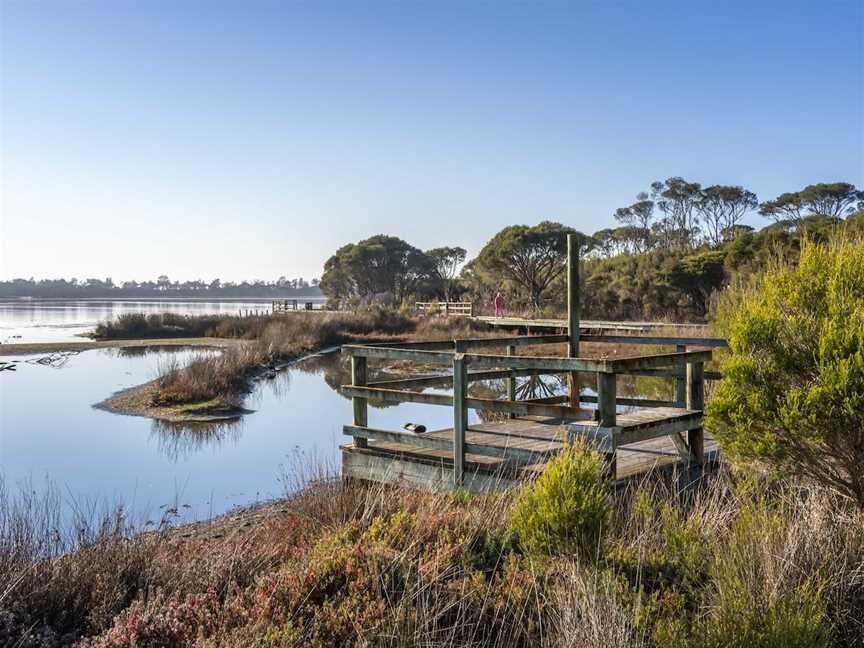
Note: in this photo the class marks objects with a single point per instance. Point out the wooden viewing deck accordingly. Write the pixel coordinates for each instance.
(634, 435)
(497, 455)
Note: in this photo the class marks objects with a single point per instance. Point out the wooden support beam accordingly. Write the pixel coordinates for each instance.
(620, 365)
(476, 343)
(397, 395)
(460, 417)
(444, 380)
(520, 408)
(528, 408)
(607, 389)
(359, 405)
(511, 382)
(393, 353)
(573, 313)
(621, 400)
(696, 401)
(548, 363)
(680, 383)
(658, 340)
(504, 450)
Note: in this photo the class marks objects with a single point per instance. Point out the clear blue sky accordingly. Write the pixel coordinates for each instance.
(251, 139)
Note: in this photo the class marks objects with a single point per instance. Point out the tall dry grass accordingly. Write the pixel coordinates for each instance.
(733, 562)
(224, 378)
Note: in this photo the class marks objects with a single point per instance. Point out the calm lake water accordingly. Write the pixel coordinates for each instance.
(49, 430)
(52, 320)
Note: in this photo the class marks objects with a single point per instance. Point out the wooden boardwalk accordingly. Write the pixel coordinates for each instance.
(501, 454)
(585, 325)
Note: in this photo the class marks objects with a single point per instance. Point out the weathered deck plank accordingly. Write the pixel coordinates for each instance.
(391, 461)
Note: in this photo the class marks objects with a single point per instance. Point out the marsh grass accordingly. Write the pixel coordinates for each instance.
(731, 562)
(222, 380)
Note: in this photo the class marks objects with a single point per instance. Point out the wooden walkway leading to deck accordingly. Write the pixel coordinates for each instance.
(500, 454)
(584, 325)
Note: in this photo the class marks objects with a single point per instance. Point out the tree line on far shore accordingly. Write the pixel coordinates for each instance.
(675, 246)
(162, 287)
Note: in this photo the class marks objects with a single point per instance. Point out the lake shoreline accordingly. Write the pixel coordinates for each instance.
(32, 348)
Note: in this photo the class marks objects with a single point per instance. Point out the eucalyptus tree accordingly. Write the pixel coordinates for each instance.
(677, 199)
(445, 265)
(378, 265)
(721, 208)
(531, 258)
(638, 219)
(835, 199)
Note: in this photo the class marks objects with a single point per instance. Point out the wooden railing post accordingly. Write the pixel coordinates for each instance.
(607, 394)
(680, 382)
(359, 405)
(460, 417)
(573, 313)
(696, 401)
(511, 382)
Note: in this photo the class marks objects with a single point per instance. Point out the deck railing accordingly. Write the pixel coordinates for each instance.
(467, 365)
(291, 305)
(445, 308)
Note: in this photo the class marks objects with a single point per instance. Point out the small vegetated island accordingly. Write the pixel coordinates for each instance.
(768, 552)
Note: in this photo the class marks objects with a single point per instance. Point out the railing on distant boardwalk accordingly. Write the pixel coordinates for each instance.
(445, 308)
(291, 305)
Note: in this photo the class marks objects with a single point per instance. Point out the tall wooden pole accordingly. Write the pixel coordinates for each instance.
(573, 313)
(696, 401)
(359, 405)
(460, 417)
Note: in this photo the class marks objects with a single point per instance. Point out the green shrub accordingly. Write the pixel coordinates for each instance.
(795, 620)
(567, 508)
(793, 389)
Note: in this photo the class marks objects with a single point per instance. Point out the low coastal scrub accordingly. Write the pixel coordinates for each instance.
(567, 509)
(731, 563)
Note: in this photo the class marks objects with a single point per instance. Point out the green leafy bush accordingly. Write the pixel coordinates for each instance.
(567, 508)
(793, 389)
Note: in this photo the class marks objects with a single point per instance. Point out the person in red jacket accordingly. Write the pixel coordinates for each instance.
(499, 305)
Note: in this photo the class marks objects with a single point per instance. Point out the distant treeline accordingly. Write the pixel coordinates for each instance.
(162, 287)
(675, 246)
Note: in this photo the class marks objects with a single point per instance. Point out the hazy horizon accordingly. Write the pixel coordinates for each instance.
(241, 141)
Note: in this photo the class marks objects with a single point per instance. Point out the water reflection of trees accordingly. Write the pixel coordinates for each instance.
(336, 371)
(153, 349)
(178, 441)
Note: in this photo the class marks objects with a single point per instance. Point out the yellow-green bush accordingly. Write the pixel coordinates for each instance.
(793, 389)
(567, 508)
